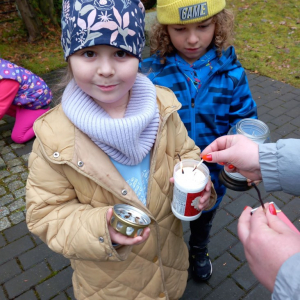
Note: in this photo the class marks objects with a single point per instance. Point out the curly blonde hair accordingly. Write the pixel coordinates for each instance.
(160, 40)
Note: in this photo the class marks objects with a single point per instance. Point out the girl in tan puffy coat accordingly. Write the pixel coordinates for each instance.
(113, 139)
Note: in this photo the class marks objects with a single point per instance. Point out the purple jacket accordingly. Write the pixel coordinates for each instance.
(33, 91)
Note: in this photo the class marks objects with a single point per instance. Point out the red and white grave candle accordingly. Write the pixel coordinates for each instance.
(189, 184)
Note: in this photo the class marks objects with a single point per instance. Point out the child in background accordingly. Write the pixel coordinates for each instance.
(193, 57)
(114, 139)
(24, 96)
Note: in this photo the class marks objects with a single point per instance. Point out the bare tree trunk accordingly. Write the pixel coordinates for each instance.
(47, 8)
(149, 3)
(30, 19)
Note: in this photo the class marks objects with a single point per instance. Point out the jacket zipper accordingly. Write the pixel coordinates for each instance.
(163, 122)
(193, 102)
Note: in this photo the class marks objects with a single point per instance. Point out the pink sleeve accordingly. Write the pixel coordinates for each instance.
(8, 91)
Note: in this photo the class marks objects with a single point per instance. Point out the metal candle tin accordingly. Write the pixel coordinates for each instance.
(128, 220)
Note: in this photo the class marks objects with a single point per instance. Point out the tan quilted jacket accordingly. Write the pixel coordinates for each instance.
(70, 187)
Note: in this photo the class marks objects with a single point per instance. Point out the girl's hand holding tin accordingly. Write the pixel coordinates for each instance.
(121, 239)
(268, 242)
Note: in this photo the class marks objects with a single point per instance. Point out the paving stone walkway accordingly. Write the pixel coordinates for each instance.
(30, 271)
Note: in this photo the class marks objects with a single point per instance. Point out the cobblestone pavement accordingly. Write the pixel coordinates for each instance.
(30, 271)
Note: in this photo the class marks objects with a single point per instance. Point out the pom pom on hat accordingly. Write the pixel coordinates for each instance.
(187, 11)
(117, 23)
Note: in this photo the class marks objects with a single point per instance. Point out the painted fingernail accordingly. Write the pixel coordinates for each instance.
(272, 209)
(245, 207)
(207, 157)
(221, 163)
(231, 167)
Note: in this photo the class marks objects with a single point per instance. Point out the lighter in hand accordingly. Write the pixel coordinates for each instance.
(281, 216)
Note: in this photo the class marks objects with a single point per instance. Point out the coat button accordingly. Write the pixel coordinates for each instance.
(80, 163)
(101, 239)
(162, 295)
(155, 259)
(124, 192)
(110, 255)
(56, 154)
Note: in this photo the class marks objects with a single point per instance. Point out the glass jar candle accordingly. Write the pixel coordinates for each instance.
(258, 132)
(254, 129)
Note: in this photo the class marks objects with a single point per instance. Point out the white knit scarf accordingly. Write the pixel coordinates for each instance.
(127, 140)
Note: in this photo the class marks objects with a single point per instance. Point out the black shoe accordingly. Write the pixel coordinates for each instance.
(201, 266)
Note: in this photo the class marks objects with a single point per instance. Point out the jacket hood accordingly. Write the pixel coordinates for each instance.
(227, 62)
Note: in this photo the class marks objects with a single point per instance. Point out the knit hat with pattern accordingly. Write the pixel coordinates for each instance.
(117, 23)
(187, 11)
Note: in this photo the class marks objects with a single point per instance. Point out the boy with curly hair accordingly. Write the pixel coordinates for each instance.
(193, 56)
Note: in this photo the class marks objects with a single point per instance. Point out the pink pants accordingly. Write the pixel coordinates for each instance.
(23, 131)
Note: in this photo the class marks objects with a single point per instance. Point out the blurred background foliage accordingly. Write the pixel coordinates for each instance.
(267, 35)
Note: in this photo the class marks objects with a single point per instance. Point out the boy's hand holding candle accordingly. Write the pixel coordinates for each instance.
(204, 200)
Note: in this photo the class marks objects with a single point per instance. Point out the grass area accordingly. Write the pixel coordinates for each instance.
(267, 37)
(40, 57)
(267, 41)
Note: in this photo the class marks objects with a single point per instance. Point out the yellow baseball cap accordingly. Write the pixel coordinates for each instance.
(187, 11)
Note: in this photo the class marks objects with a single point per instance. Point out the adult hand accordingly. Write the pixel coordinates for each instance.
(237, 153)
(121, 239)
(268, 243)
(256, 182)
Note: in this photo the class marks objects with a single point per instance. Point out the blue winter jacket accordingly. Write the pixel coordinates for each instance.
(222, 97)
